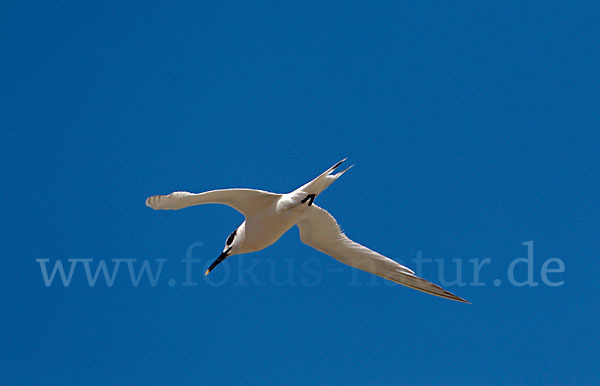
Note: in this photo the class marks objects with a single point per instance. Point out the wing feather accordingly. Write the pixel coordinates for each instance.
(319, 230)
(245, 201)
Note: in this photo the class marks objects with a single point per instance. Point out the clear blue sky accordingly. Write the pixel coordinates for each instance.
(473, 126)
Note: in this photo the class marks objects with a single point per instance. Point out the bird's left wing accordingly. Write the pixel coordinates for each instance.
(245, 201)
(319, 230)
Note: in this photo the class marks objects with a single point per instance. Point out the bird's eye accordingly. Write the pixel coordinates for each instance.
(230, 238)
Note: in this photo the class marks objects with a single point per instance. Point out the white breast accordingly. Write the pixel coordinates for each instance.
(266, 227)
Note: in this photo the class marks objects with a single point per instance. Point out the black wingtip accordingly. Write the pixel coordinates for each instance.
(451, 296)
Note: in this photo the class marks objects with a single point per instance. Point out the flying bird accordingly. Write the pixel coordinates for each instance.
(269, 215)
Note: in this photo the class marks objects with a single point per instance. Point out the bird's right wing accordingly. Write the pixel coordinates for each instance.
(245, 201)
(319, 230)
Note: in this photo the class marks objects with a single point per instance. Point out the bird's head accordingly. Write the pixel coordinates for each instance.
(233, 246)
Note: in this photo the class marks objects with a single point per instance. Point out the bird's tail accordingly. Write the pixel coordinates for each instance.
(323, 181)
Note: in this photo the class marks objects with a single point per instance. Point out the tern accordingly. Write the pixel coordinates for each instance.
(269, 215)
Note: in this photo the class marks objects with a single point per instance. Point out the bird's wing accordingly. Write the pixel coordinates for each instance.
(245, 201)
(319, 230)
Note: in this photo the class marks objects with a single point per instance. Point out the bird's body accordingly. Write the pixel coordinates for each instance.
(269, 215)
(265, 228)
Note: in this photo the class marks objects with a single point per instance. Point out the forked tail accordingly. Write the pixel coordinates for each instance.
(322, 182)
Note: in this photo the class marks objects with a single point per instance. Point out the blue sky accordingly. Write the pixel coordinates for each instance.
(473, 126)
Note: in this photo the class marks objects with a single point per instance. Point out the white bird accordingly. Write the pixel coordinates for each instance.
(269, 215)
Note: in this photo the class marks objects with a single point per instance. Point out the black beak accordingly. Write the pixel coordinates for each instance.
(222, 257)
